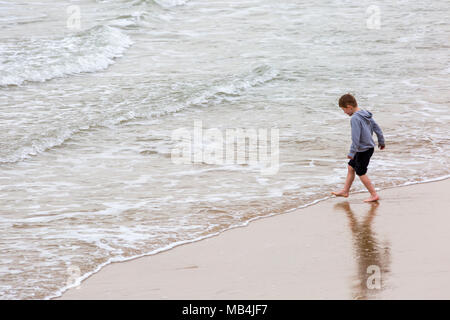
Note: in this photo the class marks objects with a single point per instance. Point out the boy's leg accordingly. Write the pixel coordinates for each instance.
(348, 183)
(373, 194)
(361, 169)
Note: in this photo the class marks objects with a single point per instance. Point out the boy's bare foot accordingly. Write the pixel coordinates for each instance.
(341, 193)
(372, 198)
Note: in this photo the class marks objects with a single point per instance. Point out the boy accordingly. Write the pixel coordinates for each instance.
(362, 146)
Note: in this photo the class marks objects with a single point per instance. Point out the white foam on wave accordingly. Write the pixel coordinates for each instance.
(214, 95)
(170, 3)
(40, 146)
(39, 60)
(135, 19)
(165, 4)
(234, 87)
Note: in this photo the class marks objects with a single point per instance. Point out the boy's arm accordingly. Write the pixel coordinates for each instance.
(356, 135)
(379, 133)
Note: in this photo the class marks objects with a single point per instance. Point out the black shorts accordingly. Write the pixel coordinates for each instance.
(360, 161)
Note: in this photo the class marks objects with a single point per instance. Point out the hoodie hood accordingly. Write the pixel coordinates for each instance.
(363, 126)
(364, 114)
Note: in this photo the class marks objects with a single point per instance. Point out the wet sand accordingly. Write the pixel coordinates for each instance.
(340, 248)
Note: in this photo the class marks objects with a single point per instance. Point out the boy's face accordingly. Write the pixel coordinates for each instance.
(349, 110)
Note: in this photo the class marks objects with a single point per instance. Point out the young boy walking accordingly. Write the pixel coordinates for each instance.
(363, 126)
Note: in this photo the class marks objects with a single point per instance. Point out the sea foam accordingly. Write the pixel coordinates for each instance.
(39, 60)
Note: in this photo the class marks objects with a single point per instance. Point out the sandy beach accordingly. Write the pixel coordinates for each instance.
(340, 248)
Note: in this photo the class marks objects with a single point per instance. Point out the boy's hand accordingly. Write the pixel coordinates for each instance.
(350, 157)
(381, 147)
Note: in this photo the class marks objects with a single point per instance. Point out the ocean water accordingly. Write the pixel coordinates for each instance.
(88, 108)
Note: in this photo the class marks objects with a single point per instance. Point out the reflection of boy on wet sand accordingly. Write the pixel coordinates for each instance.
(368, 251)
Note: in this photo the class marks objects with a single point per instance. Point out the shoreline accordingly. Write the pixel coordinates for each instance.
(100, 284)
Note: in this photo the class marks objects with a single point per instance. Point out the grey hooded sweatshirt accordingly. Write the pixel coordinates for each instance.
(363, 127)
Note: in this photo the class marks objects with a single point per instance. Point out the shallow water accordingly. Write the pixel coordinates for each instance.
(87, 118)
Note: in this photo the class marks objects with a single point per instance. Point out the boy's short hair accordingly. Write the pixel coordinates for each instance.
(347, 99)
